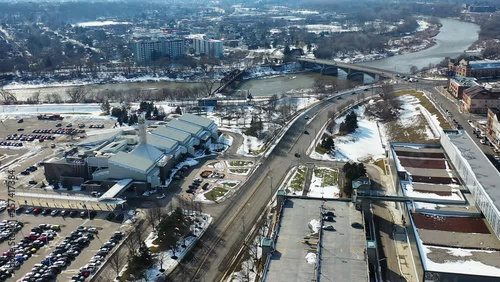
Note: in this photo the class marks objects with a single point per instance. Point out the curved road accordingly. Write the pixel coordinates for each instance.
(225, 236)
(223, 239)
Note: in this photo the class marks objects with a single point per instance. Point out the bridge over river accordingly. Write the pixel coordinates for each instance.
(354, 72)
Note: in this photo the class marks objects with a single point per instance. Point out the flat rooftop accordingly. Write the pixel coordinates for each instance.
(458, 245)
(487, 175)
(342, 253)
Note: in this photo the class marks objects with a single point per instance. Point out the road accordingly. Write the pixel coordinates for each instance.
(224, 237)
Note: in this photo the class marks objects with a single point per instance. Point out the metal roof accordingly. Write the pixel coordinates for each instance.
(173, 134)
(98, 139)
(483, 169)
(161, 142)
(132, 161)
(116, 189)
(484, 64)
(147, 151)
(184, 126)
(194, 119)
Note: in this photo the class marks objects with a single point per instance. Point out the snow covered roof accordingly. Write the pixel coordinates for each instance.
(197, 120)
(446, 245)
(97, 139)
(147, 151)
(161, 142)
(184, 126)
(133, 161)
(163, 131)
(116, 189)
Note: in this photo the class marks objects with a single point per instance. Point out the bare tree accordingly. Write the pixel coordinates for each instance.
(116, 262)
(153, 214)
(135, 239)
(8, 98)
(35, 97)
(77, 94)
(54, 98)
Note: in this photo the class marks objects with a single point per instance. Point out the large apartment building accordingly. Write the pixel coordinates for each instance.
(208, 47)
(165, 47)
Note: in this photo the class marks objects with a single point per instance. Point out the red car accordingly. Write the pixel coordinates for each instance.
(37, 211)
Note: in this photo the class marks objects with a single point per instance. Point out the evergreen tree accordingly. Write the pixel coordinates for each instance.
(105, 107)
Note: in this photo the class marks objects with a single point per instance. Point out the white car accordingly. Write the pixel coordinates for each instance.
(159, 197)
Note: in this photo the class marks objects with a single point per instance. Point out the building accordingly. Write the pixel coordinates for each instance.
(145, 50)
(480, 9)
(493, 126)
(209, 47)
(478, 99)
(477, 69)
(304, 251)
(458, 84)
(453, 195)
(147, 158)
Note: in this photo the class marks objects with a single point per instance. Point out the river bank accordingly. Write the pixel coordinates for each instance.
(262, 81)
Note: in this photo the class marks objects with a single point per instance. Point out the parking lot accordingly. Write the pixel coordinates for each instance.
(105, 231)
(43, 140)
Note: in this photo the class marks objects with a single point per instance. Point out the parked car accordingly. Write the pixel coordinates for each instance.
(29, 210)
(120, 217)
(159, 197)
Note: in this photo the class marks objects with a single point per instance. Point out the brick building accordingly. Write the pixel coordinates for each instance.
(458, 84)
(493, 126)
(478, 99)
(477, 69)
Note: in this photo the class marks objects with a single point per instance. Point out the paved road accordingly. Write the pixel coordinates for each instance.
(225, 236)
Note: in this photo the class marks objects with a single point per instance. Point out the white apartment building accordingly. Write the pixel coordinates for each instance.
(171, 47)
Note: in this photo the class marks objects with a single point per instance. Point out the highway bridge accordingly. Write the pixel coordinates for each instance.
(354, 72)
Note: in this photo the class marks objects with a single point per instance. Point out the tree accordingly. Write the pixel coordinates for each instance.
(328, 144)
(413, 69)
(352, 171)
(153, 214)
(178, 111)
(350, 124)
(116, 112)
(8, 98)
(105, 107)
(116, 262)
(77, 94)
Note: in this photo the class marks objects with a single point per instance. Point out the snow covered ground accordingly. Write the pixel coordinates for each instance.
(183, 246)
(318, 189)
(366, 143)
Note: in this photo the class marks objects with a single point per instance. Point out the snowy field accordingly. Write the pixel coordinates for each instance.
(369, 140)
(366, 143)
(320, 186)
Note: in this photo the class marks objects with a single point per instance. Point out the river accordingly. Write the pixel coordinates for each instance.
(454, 37)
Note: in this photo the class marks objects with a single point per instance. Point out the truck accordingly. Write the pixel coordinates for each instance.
(50, 117)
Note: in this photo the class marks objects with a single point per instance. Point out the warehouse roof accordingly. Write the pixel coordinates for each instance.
(194, 119)
(173, 134)
(185, 126)
(161, 142)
